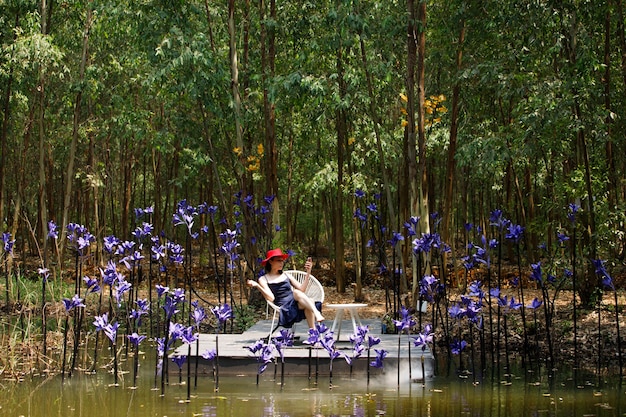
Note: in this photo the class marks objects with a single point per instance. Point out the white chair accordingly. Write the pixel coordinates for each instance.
(314, 290)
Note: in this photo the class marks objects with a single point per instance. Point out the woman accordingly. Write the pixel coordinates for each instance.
(286, 292)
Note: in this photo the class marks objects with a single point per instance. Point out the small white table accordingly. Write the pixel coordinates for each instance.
(354, 315)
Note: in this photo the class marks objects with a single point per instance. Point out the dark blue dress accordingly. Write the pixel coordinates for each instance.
(290, 313)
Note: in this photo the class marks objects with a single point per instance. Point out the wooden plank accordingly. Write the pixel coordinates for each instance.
(236, 359)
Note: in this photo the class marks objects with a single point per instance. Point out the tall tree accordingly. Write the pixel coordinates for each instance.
(69, 177)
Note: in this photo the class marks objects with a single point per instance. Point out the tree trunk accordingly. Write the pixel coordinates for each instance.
(291, 217)
(234, 83)
(622, 44)
(409, 132)
(451, 163)
(43, 219)
(589, 283)
(613, 184)
(268, 52)
(341, 125)
(416, 163)
(69, 177)
(421, 203)
(5, 128)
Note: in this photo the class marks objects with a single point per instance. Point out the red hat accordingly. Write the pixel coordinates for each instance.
(274, 253)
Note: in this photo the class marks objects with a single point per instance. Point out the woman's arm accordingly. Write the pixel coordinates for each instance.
(263, 288)
(305, 283)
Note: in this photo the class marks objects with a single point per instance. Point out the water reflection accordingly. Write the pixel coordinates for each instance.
(95, 396)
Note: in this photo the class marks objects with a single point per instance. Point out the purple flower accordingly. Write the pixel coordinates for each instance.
(161, 290)
(358, 214)
(8, 243)
(536, 303)
(396, 238)
(430, 288)
(257, 346)
(209, 354)
(406, 322)
(458, 346)
(125, 247)
(198, 314)
(475, 289)
(573, 210)
(607, 281)
(456, 312)
(535, 274)
(509, 305)
(92, 284)
(143, 307)
(188, 336)
(381, 354)
(264, 354)
(179, 360)
(175, 252)
(515, 232)
(176, 331)
(283, 340)
(72, 303)
(372, 341)
(498, 220)
(170, 306)
(229, 247)
(222, 313)
(44, 272)
(425, 338)
(359, 335)
(136, 338)
(53, 231)
(102, 324)
(132, 260)
(158, 251)
(142, 232)
(120, 289)
(269, 199)
(110, 244)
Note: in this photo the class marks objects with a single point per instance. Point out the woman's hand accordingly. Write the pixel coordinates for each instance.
(252, 283)
(308, 265)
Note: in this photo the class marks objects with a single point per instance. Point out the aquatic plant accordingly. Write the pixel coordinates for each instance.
(424, 340)
(607, 283)
(362, 341)
(264, 353)
(405, 324)
(573, 209)
(198, 314)
(102, 323)
(142, 308)
(179, 360)
(7, 251)
(359, 341)
(171, 301)
(222, 313)
(282, 341)
(515, 233)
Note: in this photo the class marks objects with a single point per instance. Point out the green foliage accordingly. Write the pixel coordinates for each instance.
(245, 317)
(157, 123)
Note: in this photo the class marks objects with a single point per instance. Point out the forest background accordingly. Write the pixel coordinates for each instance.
(437, 110)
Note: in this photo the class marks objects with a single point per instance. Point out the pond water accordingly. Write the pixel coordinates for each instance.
(96, 396)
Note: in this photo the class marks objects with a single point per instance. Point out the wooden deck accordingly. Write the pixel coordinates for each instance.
(301, 360)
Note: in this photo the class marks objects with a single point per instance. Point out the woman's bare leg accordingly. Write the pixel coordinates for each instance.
(306, 304)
